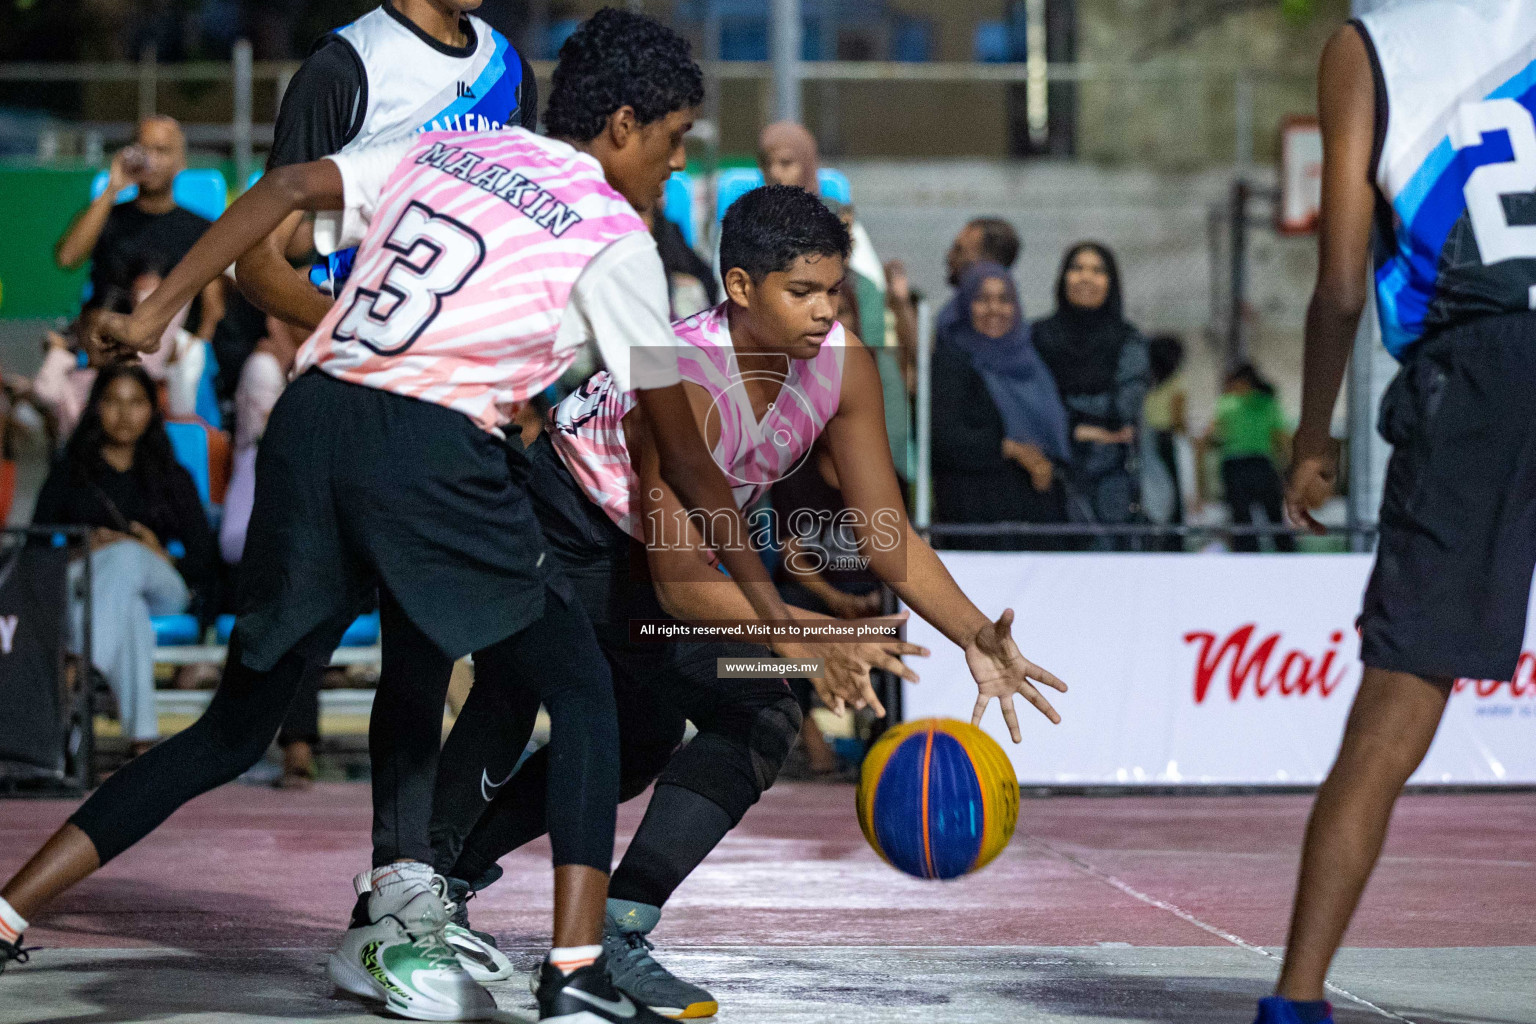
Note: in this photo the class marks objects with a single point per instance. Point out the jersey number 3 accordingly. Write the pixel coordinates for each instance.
(426, 258)
(1486, 187)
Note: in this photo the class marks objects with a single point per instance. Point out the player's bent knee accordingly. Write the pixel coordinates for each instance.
(774, 732)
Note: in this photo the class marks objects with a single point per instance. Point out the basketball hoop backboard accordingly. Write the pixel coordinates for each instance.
(1301, 175)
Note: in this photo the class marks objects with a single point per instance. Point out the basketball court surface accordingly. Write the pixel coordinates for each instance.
(1103, 909)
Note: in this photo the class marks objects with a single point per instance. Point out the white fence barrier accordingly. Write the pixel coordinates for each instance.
(1202, 670)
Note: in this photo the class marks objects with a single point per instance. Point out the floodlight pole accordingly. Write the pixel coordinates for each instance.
(785, 51)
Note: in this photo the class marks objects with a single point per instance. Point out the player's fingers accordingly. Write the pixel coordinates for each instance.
(1042, 705)
(888, 664)
(1040, 675)
(980, 709)
(873, 700)
(1011, 717)
(900, 647)
(1004, 623)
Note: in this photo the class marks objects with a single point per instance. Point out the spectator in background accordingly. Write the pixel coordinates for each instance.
(1252, 435)
(1000, 430)
(1102, 369)
(63, 383)
(262, 380)
(151, 233)
(152, 550)
(1165, 417)
(983, 238)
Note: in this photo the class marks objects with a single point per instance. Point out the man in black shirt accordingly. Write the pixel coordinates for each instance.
(150, 234)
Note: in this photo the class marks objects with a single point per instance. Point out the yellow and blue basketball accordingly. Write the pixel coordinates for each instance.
(937, 798)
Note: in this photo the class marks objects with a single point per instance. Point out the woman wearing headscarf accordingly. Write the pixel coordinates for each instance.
(999, 427)
(1103, 371)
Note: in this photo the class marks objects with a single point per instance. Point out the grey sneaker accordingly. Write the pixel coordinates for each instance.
(637, 974)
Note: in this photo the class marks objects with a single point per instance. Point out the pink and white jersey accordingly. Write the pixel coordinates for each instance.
(588, 429)
(473, 246)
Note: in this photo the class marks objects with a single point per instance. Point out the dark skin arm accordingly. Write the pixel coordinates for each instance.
(252, 217)
(686, 467)
(1347, 110)
(274, 286)
(910, 567)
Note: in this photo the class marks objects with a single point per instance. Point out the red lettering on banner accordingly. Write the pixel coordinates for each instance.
(1523, 684)
(1298, 673)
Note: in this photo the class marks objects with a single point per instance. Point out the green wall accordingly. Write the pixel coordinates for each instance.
(36, 205)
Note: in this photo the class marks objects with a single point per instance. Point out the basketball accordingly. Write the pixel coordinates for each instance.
(937, 798)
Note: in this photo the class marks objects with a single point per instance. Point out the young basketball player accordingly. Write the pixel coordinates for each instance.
(1428, 137)
(767, 372)
(383, 465)
(406, 66)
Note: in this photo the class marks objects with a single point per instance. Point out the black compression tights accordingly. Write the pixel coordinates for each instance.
(229, 738)
(555, 662)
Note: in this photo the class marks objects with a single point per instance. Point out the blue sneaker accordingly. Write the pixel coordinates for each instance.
(1280, 1010)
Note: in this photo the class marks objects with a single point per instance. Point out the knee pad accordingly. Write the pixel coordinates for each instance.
(733, 769)
(774, 731)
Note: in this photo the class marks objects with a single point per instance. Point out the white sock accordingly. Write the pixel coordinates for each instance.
(411, 873)
(572, 958)
(13, 924)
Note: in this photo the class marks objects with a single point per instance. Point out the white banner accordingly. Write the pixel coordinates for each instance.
(1201, 669)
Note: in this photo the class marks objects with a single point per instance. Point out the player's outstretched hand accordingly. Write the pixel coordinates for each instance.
(847, 666)
(119, 337)
(1001, 671)
(1313, 476)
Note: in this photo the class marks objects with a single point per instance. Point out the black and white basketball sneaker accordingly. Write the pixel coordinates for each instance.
(12, 951)
(587, 996)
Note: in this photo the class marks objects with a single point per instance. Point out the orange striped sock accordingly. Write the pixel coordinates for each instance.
(13, 924)
(573, 958)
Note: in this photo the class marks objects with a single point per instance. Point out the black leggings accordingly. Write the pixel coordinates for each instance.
(746, 728)
(229, 738)
(555, 660)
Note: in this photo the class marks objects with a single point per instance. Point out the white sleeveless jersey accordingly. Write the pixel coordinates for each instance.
(415, 87)
(1455, 99)
(411, 85)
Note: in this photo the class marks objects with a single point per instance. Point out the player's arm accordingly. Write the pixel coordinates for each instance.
(685, 466)
(311, 186)
(857, 441)
(320, 114)
(1346, 102)
(274, 285)
(690, 588)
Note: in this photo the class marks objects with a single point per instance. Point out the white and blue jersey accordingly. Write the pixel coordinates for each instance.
(381, 78)
(1455, 162)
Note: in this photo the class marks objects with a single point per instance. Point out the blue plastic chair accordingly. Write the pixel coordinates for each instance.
(207, 405)
(364, 631)
(734, 182)
(189, 443)
(176, 630)
(677, 203)
(202, 190)
(835, 185)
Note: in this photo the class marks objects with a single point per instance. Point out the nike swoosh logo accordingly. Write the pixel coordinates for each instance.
(620, 1007)
(488, 788)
